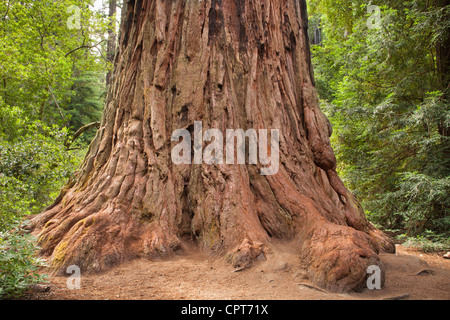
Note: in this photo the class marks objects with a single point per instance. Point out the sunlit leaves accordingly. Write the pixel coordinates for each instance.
(34, 52)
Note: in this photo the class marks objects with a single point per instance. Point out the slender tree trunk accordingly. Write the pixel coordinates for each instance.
(231, 64)
(111, 45)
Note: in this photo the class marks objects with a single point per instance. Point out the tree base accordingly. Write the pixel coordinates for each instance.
(231, 65)
(335, 257)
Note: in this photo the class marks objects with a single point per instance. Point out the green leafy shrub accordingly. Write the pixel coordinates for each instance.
(33, 168)
(18, 263)
(429, 242)
(15, 201)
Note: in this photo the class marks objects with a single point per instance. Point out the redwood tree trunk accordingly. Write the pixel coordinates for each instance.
(231, 64)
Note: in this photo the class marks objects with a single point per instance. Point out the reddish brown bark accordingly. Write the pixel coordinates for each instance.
(231, 64)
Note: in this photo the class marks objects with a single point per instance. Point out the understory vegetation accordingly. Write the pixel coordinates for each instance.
(380, 74)
(52, 82)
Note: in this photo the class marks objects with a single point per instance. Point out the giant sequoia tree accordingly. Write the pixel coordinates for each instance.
(230, 64)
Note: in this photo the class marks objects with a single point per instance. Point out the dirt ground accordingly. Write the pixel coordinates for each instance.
(200, 277)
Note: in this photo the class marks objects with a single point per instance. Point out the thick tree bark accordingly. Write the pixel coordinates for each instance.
(231, 64)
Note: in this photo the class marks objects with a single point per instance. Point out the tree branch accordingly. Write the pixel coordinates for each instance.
(84, 47)
(56, 102)
(81, 131)
(7, 11)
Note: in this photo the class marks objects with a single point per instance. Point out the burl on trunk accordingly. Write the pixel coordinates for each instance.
(230, 64)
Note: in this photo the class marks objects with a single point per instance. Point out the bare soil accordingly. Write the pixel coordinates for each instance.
(198, 276)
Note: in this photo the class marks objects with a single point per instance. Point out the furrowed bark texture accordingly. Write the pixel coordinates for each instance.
(233, 65)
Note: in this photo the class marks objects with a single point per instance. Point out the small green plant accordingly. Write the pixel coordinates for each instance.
(429, 242)
(18, 263)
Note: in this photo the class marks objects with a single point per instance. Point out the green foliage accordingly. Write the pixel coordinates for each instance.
(13, 203)
(382, 93)
(426, 245)
(19, 265)
(41, 56)
(86, 102)
(51, 78)
(34, 167)
(428, 242)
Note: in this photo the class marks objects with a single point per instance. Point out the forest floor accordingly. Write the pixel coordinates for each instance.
(198, 276)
